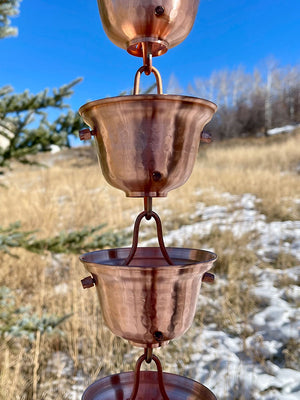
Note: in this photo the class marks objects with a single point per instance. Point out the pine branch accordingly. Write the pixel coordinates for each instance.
(6, 90)
(65, 242)
(22, 321)
(8, 8)
(13, 237)
(17, 103)
(24, 125)
(76, 241)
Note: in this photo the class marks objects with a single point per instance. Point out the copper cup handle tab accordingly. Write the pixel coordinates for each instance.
(206, 137)
(208, 277)
(86, 134)
(88, 282)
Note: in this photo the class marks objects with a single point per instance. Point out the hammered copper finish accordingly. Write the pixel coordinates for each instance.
(148, 302)
(119, 387)
(147, 144)
(161, 23)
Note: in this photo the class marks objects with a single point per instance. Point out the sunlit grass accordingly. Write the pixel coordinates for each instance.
(71, 194)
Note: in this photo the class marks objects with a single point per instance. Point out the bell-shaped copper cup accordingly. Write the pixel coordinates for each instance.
(148, 302)
(162, 24)
(147, 144)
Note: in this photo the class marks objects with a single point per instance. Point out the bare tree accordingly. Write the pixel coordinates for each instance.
(174, 85)
(250, 104)
(291, 92)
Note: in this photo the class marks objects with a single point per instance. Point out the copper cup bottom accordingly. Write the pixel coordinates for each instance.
(165, 24)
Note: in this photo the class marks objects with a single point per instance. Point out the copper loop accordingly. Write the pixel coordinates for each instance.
(137, 377)
(136, 237)
(136, 87)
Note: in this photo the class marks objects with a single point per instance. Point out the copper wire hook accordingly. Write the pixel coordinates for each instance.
(135, 238)
(137, 371)
(136, 87)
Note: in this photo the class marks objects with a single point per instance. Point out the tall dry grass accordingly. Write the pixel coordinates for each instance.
(267, 168)
(70, 194)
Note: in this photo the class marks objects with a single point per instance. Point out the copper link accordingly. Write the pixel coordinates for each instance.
(159, 375)
(148, 207)
(145, 68)
(149, 214)
(149, 354)
(147, 57)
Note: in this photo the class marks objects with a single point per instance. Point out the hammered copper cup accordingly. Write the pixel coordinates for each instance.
(161, 23)
(148, 302)
(147, 144)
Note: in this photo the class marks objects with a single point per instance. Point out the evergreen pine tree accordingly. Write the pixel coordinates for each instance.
(24, 125)
(8, 8)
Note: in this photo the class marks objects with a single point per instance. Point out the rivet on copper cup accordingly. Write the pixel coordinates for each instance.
(159, 10)
(156, 176)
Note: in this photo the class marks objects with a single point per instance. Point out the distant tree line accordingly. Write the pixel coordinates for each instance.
(251, 104)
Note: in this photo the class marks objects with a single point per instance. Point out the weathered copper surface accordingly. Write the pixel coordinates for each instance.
(163, 24)
(147, 144)
(119, 387)
(148, 302)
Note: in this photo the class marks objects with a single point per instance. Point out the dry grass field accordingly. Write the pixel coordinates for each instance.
(40, 360)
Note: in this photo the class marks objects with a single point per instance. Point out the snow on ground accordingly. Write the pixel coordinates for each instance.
(221, 360)
(252, 368)
(282, 129)
(271, 238)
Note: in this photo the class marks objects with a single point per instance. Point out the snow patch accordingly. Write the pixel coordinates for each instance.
(282, 129)
(54, 149)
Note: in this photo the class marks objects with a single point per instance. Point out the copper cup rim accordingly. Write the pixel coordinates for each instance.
(125, 380)
(148, 97)
(93, 258)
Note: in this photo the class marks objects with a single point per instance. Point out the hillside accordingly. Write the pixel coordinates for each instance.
(242, 201)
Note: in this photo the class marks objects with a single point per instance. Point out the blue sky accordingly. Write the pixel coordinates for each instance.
(60, 40)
